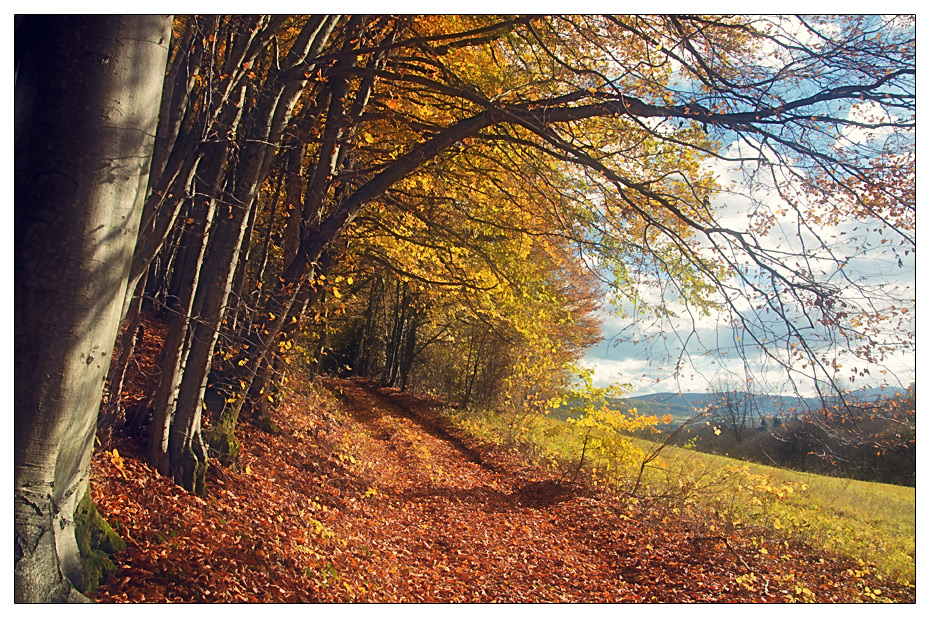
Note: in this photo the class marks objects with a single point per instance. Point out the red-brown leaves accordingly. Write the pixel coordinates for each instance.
(382, 502)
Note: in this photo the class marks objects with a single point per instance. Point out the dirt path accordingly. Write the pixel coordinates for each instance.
(446, 525)
(384, 502)
(454, 528)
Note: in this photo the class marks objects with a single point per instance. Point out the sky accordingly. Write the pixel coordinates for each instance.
(648, 366)
(643, 354)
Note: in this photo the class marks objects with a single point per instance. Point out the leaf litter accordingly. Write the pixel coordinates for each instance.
(369, 495)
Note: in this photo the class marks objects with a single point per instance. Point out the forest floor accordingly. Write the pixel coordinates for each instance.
(368, 495)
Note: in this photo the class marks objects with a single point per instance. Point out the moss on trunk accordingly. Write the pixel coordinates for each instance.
(96, 541)
(221, 437)
(189, 470)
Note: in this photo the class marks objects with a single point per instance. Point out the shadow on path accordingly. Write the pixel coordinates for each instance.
(367, 401)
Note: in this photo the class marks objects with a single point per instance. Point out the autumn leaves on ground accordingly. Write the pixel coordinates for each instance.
(367, 494)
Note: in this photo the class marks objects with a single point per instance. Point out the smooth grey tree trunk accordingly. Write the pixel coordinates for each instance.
(187, 466)
(87, 94)
(179, 312)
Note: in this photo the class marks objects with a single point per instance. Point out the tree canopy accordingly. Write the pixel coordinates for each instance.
(506, 170)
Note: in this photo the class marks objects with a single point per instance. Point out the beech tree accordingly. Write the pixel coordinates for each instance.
(87, 92)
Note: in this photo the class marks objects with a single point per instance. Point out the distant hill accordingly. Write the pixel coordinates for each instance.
(682, 406)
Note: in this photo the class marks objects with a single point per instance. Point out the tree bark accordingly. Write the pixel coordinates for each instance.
(179, 311)
(87, 94)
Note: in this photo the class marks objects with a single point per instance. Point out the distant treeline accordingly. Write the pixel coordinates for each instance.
(875, 443)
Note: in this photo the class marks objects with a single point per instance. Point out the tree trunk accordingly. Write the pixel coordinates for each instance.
(293, 204)
(179, 311)
(213, 292)
(410, 347)
(87, 95)
(239, 302)
(369, 341)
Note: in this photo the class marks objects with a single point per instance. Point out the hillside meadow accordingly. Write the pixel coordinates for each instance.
(872, 523)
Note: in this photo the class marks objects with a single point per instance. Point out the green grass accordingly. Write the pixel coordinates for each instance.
(870, 522)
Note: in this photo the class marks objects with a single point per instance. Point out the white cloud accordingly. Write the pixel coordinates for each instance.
(787, 35)
(867, 113)
(707, 342)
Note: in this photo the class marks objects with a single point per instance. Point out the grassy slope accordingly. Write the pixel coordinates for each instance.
(872, 522)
